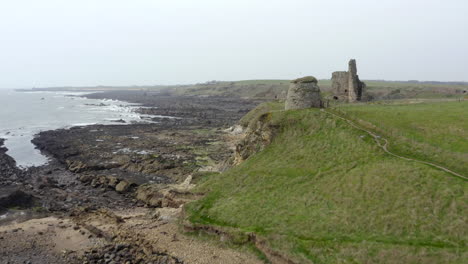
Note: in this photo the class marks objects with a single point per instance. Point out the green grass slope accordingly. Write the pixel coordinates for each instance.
(261, 109)
(323, 192)
(435, 132)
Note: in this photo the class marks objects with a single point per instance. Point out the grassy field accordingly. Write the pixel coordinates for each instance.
(401, 90)
(277, 89)
(323, 192)
(436, 132)
(271, 89)
(265, 89)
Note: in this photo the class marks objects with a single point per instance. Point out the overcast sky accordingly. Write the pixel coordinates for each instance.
(126, 42)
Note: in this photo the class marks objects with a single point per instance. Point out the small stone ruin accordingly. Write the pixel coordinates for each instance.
(346, 86)
(303, 93)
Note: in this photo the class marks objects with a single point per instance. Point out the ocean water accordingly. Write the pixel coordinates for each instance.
(24, 114)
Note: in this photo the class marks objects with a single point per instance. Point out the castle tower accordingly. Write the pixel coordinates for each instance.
(303, 93)
(346, 86)
(353, 82)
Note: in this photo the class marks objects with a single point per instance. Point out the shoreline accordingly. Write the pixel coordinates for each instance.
(55, 110)
(137, 171)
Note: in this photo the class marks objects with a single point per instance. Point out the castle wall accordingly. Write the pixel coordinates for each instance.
(340, 82)
(353, 82)
(346, 86)
(303, 95)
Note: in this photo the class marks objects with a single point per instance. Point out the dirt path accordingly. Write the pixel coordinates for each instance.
(377, 139)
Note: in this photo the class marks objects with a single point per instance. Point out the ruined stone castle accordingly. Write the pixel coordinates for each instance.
(303, 93)
(346, 85)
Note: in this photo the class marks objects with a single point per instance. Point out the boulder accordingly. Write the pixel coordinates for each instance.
(14, 197)
(150, 195)
(76, 166)
(113, 181)
(123, 186)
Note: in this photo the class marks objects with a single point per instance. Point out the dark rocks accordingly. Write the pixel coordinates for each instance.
(112, 181)
(46, 182)
(9, 173)
(105, 181)
(101, 166)
(128, 253)
(212, 111)
(136, 153)
(76, 166)
(12, 197)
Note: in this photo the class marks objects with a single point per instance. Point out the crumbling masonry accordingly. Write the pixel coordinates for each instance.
(346, 86)
(303, 93)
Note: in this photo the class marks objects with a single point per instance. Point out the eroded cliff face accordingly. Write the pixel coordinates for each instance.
(258, 135)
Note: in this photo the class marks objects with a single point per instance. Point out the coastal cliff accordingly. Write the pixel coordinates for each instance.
(313, 188)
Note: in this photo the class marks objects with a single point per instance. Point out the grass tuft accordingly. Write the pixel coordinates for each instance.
(306, 79)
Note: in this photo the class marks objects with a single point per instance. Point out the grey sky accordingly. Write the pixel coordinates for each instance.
(113, 42)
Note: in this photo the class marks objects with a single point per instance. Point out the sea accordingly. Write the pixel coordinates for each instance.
(24, 114)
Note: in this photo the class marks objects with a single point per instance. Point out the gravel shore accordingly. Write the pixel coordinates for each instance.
(103, 180)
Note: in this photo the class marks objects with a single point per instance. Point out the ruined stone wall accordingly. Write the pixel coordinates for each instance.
(346, 86)
(340, 85)
(353, 82)
(303, 95)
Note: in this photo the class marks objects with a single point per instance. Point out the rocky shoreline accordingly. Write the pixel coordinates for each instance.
(104, 179)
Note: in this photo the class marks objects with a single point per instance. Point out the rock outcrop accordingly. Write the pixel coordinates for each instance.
(259, 134)
(9, 173)
(303, 93)
(346, 86)
(14, 197)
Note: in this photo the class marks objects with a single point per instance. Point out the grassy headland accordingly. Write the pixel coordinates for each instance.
(323, 192)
